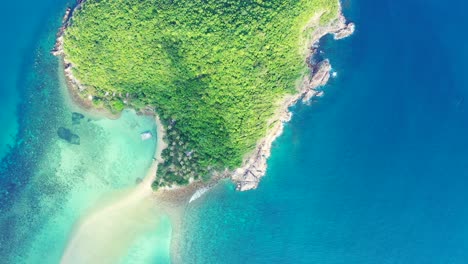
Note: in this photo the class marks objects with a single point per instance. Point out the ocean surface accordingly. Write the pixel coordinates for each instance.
(374, 172)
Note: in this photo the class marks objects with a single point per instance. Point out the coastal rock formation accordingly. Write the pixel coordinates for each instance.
(58, 48)
(320, 76)
(345, 31)
(67, 135)
(254, 167)
(339, 28)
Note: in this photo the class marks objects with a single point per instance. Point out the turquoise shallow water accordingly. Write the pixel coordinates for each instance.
(47, 184)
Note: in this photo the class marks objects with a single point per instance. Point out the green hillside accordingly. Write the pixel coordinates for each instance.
(214, 69)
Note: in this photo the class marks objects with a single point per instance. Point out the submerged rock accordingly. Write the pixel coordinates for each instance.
(76, 118)
(70, 137)
(146, 135)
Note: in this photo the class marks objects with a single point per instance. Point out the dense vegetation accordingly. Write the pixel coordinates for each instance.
(213, 69)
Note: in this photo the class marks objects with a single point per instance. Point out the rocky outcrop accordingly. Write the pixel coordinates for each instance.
(254, 167)
(58, 48)
(319, 77)
(345, 31)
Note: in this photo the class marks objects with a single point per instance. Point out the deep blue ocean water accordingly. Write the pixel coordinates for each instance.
(21, 24)
(374, 172)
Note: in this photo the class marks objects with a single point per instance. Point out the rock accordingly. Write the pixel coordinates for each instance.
(308, 95)
(248, 177)
(320, 74)
(67, 135)
(76, 118)
(345, 32)
(246, 186)
(58, 47)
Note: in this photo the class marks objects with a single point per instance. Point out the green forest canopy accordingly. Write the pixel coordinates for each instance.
(213, 69)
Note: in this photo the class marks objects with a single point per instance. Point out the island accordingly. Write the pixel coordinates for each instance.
(220, 74)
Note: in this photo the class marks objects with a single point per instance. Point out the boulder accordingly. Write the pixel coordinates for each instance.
(345, 31)
(320, 74)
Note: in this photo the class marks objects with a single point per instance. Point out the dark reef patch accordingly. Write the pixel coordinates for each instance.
(76, 118)
(67, 135)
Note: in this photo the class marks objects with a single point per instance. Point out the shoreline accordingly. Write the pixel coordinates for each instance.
(74, 86)
(254, 165)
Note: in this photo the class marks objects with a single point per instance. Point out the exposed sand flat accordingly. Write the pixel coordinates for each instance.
(105, 234)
